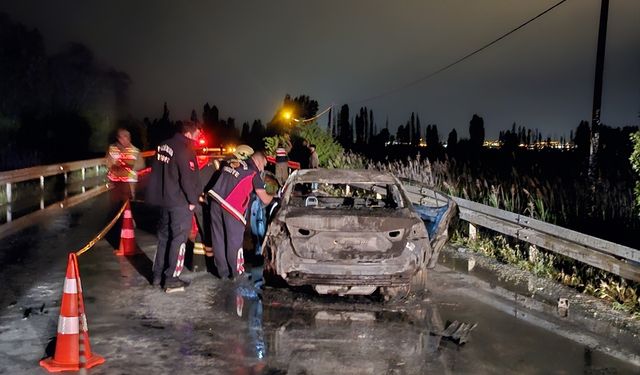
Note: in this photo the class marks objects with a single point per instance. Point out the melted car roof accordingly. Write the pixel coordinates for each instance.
(343, 176)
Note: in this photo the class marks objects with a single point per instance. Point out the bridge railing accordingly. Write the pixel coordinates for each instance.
(9, 178)
(605, 255)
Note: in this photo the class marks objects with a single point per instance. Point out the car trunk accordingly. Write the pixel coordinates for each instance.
(339, 235)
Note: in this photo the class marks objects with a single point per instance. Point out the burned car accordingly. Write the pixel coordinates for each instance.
(346, 231)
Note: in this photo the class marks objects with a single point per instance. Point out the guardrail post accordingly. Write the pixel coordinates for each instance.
(8, 213)
(533, 254)
(65, 178)
(8, 193)
(473, 232)
(41, 182)
(83, 173)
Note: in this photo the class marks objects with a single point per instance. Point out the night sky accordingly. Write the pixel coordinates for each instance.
(244, 56)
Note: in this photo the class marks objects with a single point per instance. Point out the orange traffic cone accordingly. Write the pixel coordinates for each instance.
(71, 322)
(127, 234)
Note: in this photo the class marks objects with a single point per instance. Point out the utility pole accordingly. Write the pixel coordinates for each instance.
(597, 103)
(597, 92)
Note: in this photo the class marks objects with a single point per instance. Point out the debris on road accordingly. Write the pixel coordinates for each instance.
(33, 310)
(563, 307)
(458, 332)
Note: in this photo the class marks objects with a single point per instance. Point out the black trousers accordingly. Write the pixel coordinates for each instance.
(227, 234)
(173, 230)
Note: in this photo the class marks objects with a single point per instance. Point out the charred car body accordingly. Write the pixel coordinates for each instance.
(353, 232)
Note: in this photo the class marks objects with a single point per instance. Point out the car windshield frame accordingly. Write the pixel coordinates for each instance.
(343, 195)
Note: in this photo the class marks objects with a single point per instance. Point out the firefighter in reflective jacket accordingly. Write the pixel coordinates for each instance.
(229, 201)
(123, 161)
(174, 186)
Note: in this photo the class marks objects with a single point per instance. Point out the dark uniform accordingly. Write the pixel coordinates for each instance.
(229, 201)
(173, 186)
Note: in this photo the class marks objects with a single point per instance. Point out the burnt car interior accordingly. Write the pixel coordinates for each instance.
(328, 195)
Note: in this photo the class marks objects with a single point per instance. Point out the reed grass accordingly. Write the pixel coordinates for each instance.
(557, 198)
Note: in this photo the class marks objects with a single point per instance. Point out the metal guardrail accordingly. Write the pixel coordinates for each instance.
(40, 172)
(611, 257)
(617, 259)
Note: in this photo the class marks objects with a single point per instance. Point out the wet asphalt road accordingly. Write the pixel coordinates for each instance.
(221, 327)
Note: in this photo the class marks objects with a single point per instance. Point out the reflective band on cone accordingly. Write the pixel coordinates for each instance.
(127, 233)
(70, 286)
(68, 326)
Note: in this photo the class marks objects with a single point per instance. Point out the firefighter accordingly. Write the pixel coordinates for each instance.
(123, 161)
(229, 200)
(242, 152)
(174, 186)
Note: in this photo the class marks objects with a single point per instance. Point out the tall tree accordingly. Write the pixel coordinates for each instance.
(476, 131)
(582, 137)
(400, 134)
(245, 135)
(360, 126)
(452, 139)
(432, 137)
(372, 127)
(412, 129)
(419, 130)
(257, 133)
(344, 127)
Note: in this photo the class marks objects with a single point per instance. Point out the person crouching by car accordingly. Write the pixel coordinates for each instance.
(241, 153)
(229, 201)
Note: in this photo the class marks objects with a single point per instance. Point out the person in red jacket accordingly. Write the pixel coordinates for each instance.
(229, 200)
(174, 186)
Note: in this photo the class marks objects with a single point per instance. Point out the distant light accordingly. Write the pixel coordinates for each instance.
(286, 115)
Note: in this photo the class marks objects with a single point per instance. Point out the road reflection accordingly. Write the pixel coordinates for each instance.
(288, 332)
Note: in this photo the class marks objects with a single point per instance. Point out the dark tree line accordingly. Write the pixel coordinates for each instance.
(217, 131)
(54, 107)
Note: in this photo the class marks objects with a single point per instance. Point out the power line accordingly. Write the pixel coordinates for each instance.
(305, 120)
(446, 67)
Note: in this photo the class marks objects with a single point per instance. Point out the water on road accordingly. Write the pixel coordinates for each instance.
(222, 327)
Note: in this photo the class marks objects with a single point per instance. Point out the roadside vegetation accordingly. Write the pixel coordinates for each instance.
(554, 199)
(551, 201)
(635, 164)
(620, 293)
